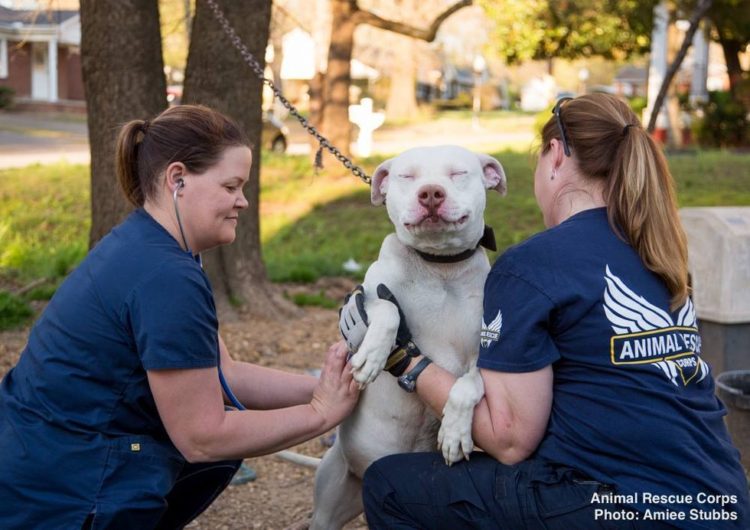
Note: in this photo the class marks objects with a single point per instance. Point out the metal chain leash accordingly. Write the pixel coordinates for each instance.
(258, 69)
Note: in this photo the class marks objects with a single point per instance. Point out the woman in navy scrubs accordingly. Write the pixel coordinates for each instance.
(599, 412)
(115, 416)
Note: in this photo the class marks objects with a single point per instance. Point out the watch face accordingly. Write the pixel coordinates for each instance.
(407, 383)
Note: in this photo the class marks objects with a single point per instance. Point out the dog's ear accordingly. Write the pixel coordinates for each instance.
(380, 183)
(494, 175)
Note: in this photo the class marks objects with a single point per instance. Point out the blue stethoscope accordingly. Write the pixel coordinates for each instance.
(224, 384)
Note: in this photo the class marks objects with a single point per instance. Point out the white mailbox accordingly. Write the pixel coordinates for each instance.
(719, 262)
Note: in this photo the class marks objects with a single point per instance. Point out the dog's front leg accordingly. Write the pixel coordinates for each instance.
(372, 355)
(454, 437)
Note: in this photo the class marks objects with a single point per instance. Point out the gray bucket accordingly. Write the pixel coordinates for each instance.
(733, 388)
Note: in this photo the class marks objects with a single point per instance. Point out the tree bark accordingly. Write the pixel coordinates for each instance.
(700, 11)
(346, 17)
(732, 49)
(335, 109)
(123, 78)
(217, 76)
(402, 98)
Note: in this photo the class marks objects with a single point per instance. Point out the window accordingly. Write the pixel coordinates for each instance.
(3, 58)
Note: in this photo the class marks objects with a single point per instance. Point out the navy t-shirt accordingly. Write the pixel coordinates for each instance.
(633, 402)
(79, 429)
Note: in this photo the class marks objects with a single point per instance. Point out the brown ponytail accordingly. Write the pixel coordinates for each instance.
(126, 161)
(192, 134)
(609, 143)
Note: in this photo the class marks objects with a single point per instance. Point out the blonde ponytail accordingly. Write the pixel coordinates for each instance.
(642, 200)
(610, 144)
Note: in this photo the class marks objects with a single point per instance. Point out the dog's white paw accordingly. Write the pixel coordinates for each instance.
(366, 366)
(370, 360)
(373, 353)
(454, 436)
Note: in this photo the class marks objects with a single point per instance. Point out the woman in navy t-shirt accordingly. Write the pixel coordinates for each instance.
(114, 415)
(598, 411)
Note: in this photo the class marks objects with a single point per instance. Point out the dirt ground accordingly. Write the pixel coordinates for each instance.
(281, 496)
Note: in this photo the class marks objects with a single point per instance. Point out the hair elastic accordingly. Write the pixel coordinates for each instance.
(625, 129)
(144, 126)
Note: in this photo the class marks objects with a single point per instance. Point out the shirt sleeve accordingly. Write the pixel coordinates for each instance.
(173, 319)
(515, 333)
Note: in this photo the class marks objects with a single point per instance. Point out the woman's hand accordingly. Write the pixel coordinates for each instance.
(337, 392)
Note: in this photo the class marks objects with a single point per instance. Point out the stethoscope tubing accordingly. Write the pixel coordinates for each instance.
(224, 385)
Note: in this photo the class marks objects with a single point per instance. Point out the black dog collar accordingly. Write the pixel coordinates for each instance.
(487, 241)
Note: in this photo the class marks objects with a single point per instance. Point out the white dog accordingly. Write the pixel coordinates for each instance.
(435, 197)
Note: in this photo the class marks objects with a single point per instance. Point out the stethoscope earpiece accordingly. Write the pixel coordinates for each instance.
(180, 185)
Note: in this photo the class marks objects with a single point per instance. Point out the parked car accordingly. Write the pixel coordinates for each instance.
(275, 134)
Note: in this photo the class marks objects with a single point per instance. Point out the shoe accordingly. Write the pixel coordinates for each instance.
(243, 475)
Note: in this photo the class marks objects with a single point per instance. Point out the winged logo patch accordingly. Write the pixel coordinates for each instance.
(646, 334)
(491, 333)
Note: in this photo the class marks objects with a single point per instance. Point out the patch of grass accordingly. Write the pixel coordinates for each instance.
(310, 224)
(318, 300)
(318, 243)
(712, 178)
(14, 312)
(44, 219)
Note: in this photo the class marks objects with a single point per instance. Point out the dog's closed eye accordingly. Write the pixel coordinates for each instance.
(457, 173)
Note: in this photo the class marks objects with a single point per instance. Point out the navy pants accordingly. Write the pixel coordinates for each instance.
(195, 489)
(418, 490)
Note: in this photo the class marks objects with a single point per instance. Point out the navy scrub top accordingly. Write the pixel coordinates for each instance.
(633, 401)
(79, 429)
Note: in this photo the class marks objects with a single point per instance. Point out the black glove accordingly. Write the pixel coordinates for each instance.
(405, 348)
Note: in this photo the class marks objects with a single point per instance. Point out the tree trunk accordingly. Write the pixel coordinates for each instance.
(217, 76)
(402, 97)
(346, 16)
(695, 20)
(335, 123)
(123, 77)
(732, 49)
(278, 58)
(317, 104)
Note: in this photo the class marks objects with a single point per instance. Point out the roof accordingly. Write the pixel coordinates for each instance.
(41, 17)
(632, 74)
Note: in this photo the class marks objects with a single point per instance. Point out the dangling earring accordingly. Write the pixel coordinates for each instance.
(554, 174)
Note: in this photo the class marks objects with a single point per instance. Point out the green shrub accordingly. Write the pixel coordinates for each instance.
(638, 104)
(44, 292)
(461, 101)
(6, 97)
(724, 122)
(14, 312)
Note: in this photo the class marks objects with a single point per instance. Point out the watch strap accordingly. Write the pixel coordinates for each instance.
(408, 381)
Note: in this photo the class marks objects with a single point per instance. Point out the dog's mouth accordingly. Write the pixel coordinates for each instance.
(437, 223)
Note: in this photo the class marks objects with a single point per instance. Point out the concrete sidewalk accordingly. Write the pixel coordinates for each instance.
(42, 138)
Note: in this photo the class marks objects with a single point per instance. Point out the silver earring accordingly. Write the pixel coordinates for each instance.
(554, 174)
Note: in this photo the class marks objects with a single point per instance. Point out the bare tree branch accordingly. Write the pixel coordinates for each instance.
(366, 17)
(695, 20)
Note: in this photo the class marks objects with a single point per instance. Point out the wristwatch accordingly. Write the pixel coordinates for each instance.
(408, 381)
